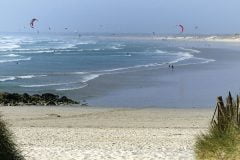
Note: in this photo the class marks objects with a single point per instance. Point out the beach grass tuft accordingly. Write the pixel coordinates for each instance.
(222, 141)
(217, 145)
(8, 149)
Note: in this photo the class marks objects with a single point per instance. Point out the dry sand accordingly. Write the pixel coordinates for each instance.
(74, 133)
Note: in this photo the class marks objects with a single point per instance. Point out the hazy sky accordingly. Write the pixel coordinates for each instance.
(125, 16)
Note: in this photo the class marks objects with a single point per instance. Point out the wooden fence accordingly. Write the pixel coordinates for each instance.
(226, 114)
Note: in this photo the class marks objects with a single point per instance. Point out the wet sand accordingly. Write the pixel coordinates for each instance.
(64, 133)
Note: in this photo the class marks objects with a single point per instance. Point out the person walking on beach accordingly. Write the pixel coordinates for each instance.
(172, 67)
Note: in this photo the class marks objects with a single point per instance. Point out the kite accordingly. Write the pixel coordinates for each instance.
(32, 23)
(182, 28)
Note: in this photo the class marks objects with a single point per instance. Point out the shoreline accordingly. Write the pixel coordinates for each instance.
(106, 133)
(187, 38)
(192, 85)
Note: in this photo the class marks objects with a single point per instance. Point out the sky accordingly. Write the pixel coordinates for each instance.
(122, 16)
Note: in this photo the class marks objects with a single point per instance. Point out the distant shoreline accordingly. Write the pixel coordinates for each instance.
(178, 37)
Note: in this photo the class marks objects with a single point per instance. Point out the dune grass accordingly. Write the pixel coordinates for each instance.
(222, 141)
(216, 145)
(8, 149)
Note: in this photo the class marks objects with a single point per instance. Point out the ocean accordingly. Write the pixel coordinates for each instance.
(62, 63)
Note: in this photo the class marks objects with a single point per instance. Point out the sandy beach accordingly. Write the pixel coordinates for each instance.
(69, 133)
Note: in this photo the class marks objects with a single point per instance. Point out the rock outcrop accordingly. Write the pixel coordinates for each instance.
(46, 99)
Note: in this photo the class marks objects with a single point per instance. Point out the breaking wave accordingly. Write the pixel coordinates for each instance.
(11, 55)
(11, 78)
(190, 50)
(71, 88)
(16, 60)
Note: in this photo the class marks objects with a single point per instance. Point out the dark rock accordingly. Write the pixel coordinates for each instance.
(36, 95)
(26, 98)
(15, 99)
(65, 100)
(49, 97)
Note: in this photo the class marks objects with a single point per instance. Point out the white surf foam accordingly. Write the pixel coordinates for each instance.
(93, 49)
(45, 51)
(128, 68)
(64, 85)
(11, 55)
(89, 77)
(182, 56)
(47, 84)
(11, 78)
(86, 42)
(116, 46)
(30, 76)
(15, 60)
(204, 61)
(160, 51)
(189, 49)
(121, 55)
(66, 46)
(3, 79)
(8, 46)
(42, 85)
(71, 88)
(79, 73)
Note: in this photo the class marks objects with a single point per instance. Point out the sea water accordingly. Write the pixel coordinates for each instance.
(59, 63)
